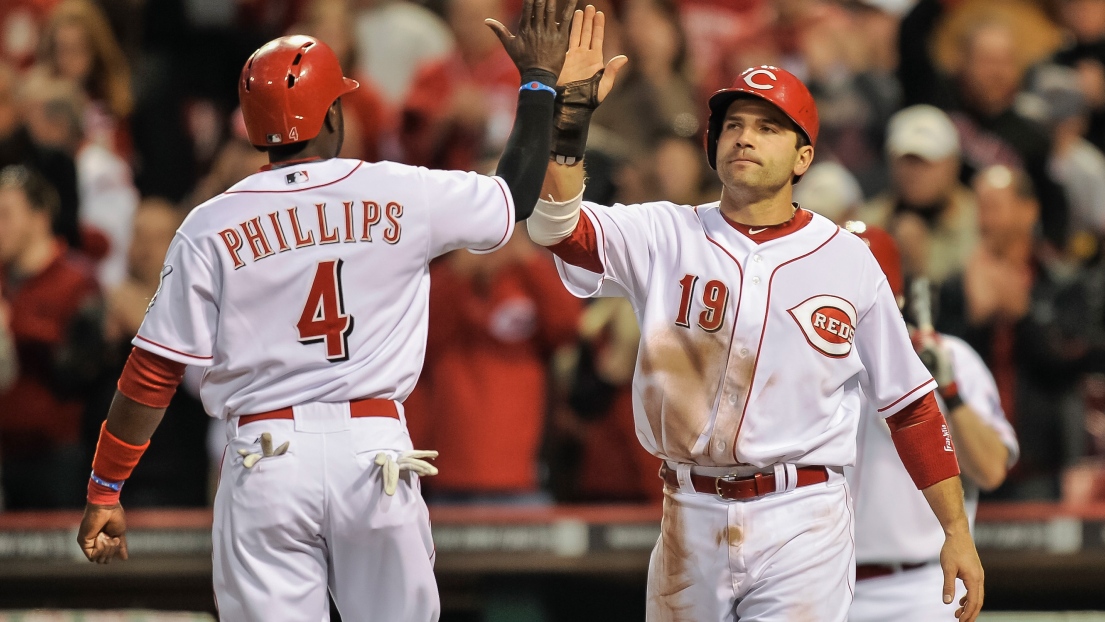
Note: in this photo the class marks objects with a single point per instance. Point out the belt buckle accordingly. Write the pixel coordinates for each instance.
(719, 480)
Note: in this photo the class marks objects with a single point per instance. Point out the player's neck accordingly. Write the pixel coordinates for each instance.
(311, 151)
(765, 211)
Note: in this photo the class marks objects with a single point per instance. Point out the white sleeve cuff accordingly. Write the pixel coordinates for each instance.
(554, 221)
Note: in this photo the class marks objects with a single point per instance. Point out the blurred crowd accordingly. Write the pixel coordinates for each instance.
(972, 130)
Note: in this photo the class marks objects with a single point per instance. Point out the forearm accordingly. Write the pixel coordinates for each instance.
(562, 182)
(946, 500)
(522, 165)
(983, 457)
(132, 422)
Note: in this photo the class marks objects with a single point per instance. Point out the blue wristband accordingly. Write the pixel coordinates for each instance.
(116, 486)
(537, 86)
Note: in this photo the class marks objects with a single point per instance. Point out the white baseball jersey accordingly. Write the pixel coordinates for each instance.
(309, 283)
(751, 353)
(893, 520)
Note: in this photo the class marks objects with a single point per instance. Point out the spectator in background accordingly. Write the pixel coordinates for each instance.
(55, 314)
(830, 190)
(1058, 103)
(1085, 53)
(979, 96)
(235, 160)
(368, 119)
(1030, 317)
(18, 147)
(656, 98)
(459, 110)
(78, 44)
(932, 216)
(495, 321)
(107, 194)
(394, 38)
(173, 471)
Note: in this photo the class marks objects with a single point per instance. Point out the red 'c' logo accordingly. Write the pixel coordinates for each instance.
(828, 323)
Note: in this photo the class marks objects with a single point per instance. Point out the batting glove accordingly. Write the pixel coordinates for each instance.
(249, 458)
(408, 461)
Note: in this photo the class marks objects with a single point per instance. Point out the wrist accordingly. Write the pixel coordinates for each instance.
(542, 76)
(950, 394)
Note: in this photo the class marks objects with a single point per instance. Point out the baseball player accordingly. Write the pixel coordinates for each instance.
(897, 540)
(763, 329)
(302, 290)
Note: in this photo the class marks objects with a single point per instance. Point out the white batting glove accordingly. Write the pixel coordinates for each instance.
(936, 358)
(408, 461)
(249, 458)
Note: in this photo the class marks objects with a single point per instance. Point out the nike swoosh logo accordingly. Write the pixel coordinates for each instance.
(755, 231)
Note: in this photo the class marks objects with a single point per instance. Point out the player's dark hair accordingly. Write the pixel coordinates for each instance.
(40, 194)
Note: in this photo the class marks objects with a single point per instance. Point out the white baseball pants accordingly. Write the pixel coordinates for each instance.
(784, 557)
(910, 596)
(316, 518)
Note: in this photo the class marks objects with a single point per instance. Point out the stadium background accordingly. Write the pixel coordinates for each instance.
(546, 505)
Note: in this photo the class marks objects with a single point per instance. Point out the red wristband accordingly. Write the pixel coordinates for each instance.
(113, 463)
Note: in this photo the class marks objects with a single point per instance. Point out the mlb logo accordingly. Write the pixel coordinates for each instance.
(273, 139)
(297, 177)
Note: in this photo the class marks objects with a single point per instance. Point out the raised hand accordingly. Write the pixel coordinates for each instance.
(584, 58)
(541, 40)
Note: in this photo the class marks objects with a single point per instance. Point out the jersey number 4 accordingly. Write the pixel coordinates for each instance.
(324, 319)
(715, 295)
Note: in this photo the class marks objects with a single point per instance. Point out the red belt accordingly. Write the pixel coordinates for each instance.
(368, 407)
(750, 487)
(871, 571)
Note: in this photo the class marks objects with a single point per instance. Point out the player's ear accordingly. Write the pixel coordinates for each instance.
(804, 160)
(333, 116)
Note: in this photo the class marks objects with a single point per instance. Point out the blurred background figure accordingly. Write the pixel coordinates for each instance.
(54, 307)
(977, 84)
(458, 111)
(1085, 53)
(495, 322)
(1030, 317)
(53, 110)
(830, 190)
(393, 39)
(17, 146)
(78, 44)
(931, 214)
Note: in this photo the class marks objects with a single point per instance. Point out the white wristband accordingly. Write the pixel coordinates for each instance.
(554, 221)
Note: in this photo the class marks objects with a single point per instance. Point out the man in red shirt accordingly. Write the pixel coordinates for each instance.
(54, 302)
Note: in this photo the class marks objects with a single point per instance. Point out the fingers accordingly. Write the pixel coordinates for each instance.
(949, 585)
(550, 15)
(538, 15)
(527, 14)
(574, 40)
(499, 30)
(588, 27)
(567, 19)
(609, 75)
(123, 554)
(599, 31)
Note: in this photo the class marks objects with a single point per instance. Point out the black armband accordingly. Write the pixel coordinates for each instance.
(575, 103)
(522, 165)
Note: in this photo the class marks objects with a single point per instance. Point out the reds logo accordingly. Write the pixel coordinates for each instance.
(829, 324)
(750, 79)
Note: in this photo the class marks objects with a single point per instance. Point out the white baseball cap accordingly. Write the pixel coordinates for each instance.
(924, 131)
(828, 189)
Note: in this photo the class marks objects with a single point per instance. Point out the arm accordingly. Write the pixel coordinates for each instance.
(920, 435)
(145, 389)
(983, 457)
(538, 52)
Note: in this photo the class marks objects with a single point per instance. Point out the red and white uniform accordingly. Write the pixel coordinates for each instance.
(894, 526)
(307, 287)
(758, 346)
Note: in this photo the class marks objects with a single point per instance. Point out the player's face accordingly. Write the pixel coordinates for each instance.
(758, 148)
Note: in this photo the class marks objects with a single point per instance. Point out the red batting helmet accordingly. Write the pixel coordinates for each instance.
(772, 84)
(885, 250)
(287, 86)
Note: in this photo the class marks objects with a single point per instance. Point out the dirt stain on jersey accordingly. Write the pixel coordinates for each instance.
(731, 405)
(682, 370)
(672, 578)
(731, 535)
